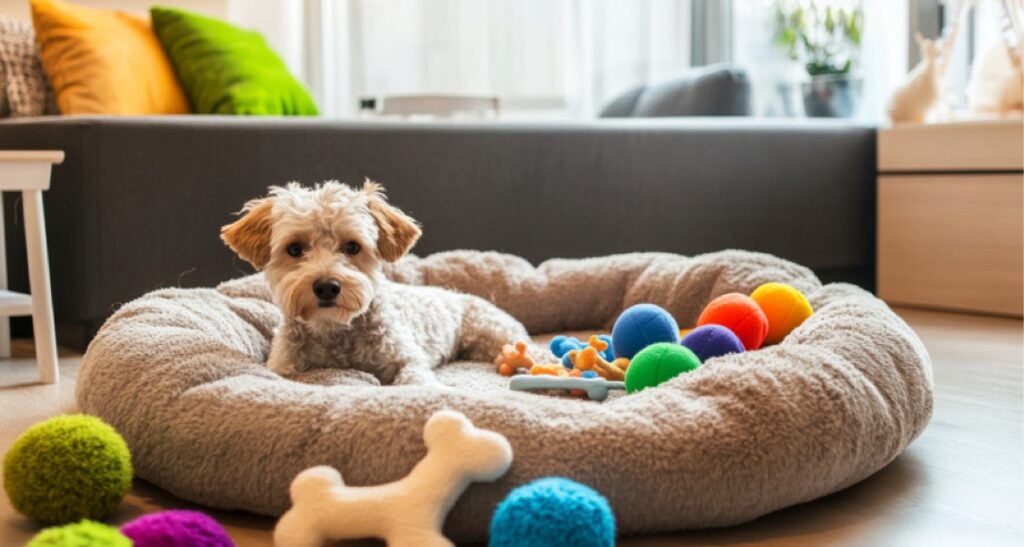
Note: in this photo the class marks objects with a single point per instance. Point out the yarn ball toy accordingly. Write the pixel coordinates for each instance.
(785, 307)
(553, 512)
(67, 468)
(640, 326)
(740, 314)
(176, 528)
(712, 341)
(657, 364)
(81, 534)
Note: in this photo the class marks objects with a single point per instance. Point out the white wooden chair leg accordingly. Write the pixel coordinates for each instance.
(39, 279)
(5, 322)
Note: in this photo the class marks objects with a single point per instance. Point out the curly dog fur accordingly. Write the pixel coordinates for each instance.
(322, 250)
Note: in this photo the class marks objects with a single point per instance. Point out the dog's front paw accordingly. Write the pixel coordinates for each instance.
(284, 368)
(416, 376)
(335, 377)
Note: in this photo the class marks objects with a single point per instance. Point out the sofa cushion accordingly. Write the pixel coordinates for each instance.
(24, 90)
(104, 62)
(717, 90)
(228, 70)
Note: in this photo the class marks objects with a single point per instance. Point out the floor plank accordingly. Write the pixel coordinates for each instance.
(960, 483)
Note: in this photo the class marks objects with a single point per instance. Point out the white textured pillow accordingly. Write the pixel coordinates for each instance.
(25, 89)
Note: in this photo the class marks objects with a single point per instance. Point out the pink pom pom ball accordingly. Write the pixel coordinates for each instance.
(176, 528)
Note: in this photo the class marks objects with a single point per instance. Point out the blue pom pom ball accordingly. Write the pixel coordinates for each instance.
(640, 326)
(553, 512)
(712, 341)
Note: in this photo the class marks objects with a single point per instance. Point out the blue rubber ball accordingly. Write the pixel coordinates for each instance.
(712, 341)
(553, 512)
(640, 326)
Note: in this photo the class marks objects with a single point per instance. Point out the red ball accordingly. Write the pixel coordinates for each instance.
(740, 314)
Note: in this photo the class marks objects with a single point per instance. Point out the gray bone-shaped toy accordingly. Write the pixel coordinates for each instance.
(596, 388)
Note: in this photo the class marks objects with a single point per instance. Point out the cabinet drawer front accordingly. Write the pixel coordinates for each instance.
(952, 241)
(996, 145)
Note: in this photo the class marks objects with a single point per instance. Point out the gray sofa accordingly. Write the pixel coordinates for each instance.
(138, 202)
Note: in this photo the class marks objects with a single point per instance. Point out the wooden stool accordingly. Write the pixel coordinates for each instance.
(28, 172)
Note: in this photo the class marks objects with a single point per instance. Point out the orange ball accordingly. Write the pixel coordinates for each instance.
(785, 307)
(740, 314)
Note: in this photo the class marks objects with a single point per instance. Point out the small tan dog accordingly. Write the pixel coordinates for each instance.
(322, 251)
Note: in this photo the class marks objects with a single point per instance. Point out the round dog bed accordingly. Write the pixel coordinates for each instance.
(180, 373)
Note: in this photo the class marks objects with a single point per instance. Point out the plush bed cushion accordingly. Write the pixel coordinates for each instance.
(180, 374)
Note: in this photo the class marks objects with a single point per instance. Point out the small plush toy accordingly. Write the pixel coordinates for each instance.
(711, 341)
(785, 307)
(657, 364)
(740, 314)
(81, 534)
(405, 513)
(66, 469)
(513, 357)
(176, 528)
(553, 512)
(640, 326)
(590, 358)
(561, 346)
(549, 369)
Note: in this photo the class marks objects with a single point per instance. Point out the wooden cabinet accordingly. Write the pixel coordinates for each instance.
(951, 216)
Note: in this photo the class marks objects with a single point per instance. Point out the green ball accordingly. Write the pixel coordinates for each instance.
(659, 363)
(83, 534)
(66, 469)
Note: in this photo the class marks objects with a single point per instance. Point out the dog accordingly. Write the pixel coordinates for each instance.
(322, 250)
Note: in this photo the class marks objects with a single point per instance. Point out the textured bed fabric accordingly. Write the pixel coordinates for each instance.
(179, 372)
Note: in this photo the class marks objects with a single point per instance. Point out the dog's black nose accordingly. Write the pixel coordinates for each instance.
(327, 289)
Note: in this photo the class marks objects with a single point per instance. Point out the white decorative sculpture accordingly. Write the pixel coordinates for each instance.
(921, 93)
(405, 513)
(997, 80)
(912, 102)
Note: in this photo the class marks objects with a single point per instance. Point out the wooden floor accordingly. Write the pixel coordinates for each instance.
(960, 483)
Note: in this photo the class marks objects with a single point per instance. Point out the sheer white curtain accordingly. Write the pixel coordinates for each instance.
(563, 58)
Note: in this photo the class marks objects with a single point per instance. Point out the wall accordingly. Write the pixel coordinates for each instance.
(18, 9)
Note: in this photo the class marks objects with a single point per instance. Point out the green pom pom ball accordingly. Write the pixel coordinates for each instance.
(659, 363)
(83, 534)
(66, 469)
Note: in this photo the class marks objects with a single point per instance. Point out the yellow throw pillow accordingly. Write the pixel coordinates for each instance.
(104, 62)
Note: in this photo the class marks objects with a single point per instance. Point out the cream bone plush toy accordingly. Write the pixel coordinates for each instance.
(405, 513)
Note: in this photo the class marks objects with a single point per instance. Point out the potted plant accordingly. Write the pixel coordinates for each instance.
(825, 36)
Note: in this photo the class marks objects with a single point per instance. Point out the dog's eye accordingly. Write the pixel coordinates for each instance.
(295, 249)
(352, 248)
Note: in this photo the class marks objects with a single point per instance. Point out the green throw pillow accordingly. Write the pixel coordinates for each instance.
(228, 70)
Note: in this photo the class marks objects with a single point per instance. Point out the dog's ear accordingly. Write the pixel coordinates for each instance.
(398, 231)
(249, 236)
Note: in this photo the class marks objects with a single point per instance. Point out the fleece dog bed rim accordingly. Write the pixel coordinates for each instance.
(179, 372)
